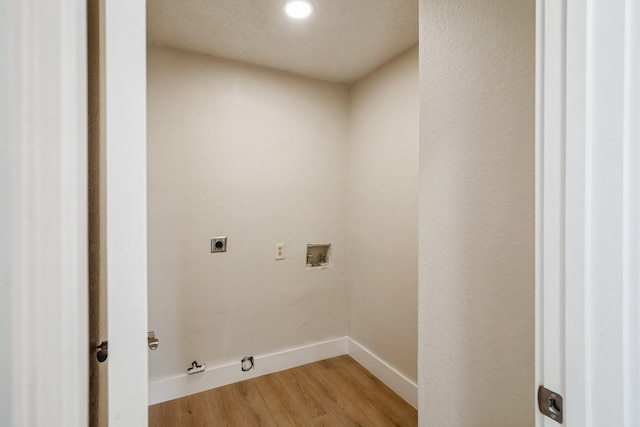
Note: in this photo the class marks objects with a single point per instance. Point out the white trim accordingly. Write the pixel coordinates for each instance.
(386, 373)
(550, 199)
(631, 218)
(46, 116)
(218, 376)
(576, 237)
(539, 127)
(6, 28)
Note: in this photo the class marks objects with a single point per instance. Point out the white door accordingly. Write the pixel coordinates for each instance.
(124, 117)
(588, 210)
(43, 254)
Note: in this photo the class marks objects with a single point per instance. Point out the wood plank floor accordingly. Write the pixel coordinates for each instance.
(330, 393)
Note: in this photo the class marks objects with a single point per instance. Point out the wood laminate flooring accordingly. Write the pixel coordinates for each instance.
(329, 393)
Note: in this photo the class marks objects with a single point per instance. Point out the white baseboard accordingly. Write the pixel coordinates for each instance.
(386, 373)
(218, 376)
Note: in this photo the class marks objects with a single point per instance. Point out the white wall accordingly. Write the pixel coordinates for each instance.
(383, 212)
(476, 269)
(259, 156)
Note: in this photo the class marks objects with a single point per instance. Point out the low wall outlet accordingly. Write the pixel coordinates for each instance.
(279, 251)
(195, 368)
(246, 364)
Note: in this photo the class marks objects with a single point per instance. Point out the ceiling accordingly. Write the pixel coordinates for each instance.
(341, 42)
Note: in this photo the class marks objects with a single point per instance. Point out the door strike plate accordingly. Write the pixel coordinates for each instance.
(550, 404)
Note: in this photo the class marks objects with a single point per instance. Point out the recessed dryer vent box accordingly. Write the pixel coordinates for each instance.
(318, 255)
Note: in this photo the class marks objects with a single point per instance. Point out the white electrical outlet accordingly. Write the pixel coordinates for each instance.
(279, 251)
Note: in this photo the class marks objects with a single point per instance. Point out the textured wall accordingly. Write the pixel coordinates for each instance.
(258, 156)
(476, 269)
(383, 212)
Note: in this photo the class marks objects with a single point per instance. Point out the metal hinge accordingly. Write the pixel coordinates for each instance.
(102, 351)
(550, 404)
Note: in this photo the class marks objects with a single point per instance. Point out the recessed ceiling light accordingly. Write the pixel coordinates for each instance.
(298, 9)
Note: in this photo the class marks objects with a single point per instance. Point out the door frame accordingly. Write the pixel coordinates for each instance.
(44, 140)
(124, 54)
(588, 209)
